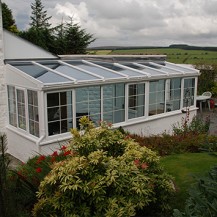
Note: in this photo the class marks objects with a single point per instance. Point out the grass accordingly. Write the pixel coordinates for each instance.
(184, 167)
(174, 55)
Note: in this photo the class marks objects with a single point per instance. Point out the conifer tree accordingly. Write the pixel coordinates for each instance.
(8, 19)
(39, 18)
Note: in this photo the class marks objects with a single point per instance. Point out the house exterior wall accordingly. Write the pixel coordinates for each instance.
(155, 126)
(3, 101)
(20, 146)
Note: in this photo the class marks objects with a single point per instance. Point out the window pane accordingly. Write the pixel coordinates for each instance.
(53, 128)
(21, 109)
(52, 99)
(136, 100)
(88, 105)
(189, 89)
(114, 102)
(33, 112)
(60, 108)
(157, 97)
(12, 106)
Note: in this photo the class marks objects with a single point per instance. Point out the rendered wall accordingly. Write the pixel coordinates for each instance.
(3, 101)
(21, 147)
(158, 125)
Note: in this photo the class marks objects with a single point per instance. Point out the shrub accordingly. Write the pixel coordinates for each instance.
(187, 137)
(25, 180)
(202, 199)
(195, 127)
(108, 174)
(166, 144)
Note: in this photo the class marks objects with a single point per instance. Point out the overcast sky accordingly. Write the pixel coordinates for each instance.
(132, 22)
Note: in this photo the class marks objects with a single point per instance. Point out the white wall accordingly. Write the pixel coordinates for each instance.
(3, 101)
(158, 125)
(18, 48)
(20, 146)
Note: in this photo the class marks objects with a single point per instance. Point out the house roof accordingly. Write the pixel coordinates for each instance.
(16, 47)
(79, 70)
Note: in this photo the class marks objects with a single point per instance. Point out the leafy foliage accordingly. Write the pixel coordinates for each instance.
(108, 174)
(187, 137)
(25, 180)
(4, 162)
(203, 198)
(206, 80)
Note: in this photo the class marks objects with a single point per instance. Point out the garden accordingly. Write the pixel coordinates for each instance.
(109, 172)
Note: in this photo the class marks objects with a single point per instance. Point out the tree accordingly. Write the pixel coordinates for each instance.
(8, 20)
(39, 17)
(66, 38)
(206, 80)
(39, 32)
(71, 38)
(76, 38)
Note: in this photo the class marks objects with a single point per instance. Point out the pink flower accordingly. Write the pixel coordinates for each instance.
(144, 166)
(38, 170)
(137, 162)
(110, 124)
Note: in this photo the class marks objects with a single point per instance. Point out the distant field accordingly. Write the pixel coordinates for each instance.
(174, 55)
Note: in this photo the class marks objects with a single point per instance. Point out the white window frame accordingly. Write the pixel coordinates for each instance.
(127, 101)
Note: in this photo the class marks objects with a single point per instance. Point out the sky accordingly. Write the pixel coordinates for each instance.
(132, 22)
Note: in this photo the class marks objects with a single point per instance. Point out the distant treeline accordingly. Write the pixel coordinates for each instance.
(179, 46)
(189, 47)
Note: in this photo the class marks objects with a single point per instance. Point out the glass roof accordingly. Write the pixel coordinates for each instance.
(80, 71)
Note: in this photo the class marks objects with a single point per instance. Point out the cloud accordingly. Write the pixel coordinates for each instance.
(133, 22)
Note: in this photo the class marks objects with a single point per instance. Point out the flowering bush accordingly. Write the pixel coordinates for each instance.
(24, 182)
(110, 175)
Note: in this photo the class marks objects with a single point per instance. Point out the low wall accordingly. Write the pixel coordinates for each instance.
(23, 147)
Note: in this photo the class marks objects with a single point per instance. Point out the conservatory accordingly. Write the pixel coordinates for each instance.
(47, 97)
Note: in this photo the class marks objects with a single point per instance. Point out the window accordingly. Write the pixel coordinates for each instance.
(189, 89)
(136, 102)
(21, 109)
(59, 110)
(12, 106)
(88, 103)
(156, 97)
(33, 112)
(173, 95)
(114, 103)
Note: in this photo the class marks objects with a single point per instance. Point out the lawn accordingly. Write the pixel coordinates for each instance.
(184, 167)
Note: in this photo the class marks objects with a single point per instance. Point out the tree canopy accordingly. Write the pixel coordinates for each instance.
(39, 18)
(8, 19)
(65, 38)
